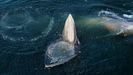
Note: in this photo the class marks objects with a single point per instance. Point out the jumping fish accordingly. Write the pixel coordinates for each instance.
(65, 49)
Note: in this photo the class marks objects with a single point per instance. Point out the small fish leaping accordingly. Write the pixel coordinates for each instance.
(64, 49)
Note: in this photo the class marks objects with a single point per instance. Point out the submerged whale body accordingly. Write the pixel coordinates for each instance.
(117, 24)
(114, 23)
(65, 49)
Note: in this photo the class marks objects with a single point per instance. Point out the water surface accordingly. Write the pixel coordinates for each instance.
(27, 27)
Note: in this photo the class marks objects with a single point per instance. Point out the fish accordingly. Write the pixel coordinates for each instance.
(65, 49)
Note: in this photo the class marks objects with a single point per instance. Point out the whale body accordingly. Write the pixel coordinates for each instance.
(114, 26)
(63, 50)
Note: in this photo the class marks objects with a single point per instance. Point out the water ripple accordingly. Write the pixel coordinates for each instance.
(11, 2)
(5, 1)
(19, 25)
(23, 27)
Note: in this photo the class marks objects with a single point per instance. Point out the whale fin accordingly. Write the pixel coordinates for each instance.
(69, 32)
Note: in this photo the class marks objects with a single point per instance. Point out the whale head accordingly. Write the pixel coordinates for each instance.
(69, 32)
(63, 50)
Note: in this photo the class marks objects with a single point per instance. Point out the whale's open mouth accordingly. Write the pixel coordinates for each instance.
(63, 50)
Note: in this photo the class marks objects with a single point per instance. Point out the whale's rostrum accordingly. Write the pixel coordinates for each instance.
(69, 32)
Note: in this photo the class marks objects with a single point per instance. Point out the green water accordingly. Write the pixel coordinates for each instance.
(28, 27)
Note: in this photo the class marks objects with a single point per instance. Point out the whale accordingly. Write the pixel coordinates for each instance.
(65, 48)
(116, 27)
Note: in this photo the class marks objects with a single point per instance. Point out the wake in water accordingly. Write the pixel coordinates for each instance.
(21, 28)
(25, 27)
(19, 25)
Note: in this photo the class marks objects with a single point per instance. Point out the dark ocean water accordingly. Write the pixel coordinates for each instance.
(27, 27)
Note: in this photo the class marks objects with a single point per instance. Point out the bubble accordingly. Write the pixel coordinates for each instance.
(19, 25)
(21, 31)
